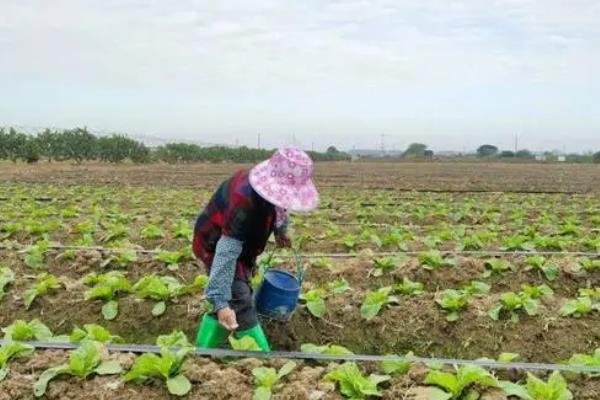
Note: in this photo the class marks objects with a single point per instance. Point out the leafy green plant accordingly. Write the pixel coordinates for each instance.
(511, 303)
(182, 230)
(397, 367)
(152, 232)
(586, 360)
(535, 389)
(350, 242)
(25, 331)
(322, 262)
(11, 350)
(328, 349)
(338, 286)
(496, 266)
(171, 258)
(245, 343)
(166, 366)
(160, 288)
(476, 288)
(353, 384)
(7, 276)
(375, 300)
(453, 301)
(550, 243)
(434, 260)
(114, 232)
(409, 288)
(107, 287)
(579, 307)
(120, 258)
(266, 379)
(35, 254)
(384, 264)
(94, 333)
(86, 360)
(43, 285)
(464, 382)
(517, 243)
(315, 302)
(537, 292)
(550, 271)
(397, 239)
(592, 293)
(588, 265)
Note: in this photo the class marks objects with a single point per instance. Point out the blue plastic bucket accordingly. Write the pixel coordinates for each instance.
(277, 296)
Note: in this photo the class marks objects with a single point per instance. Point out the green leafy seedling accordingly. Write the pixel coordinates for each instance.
(453, 301)
(461, 383)
(339, 286)
(511, 303)
(434, 260)
(315, 302)
(375, 301)
(160, 288)
(86, 360)
(43, 285)
(266, 379)
(586, 360)
(9, 351)
(353, 384)
(384, 264)
(579, 307)
(245, 343)
(535, 389)
(397, 367)
(26, 331)
(322, 262)
(328, 349)
(409, 288)
(7, 276)
(166, 366)
(550, 271)
(121, 258)
(107, 288)
(94, 333)
(496, 266)
(537, 292)
(476, 288)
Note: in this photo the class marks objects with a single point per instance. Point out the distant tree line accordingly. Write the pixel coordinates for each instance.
(79, 145)
(489, 151)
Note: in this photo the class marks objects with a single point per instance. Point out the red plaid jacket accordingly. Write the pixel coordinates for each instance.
(237, 211)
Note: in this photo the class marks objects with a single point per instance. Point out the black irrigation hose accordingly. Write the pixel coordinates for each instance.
(223, 353)
(480, 253)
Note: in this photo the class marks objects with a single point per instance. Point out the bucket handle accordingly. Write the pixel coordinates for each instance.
(300, 270)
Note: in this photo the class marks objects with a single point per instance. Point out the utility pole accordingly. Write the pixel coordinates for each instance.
(516, 143)
(382, 145)
(258, 142)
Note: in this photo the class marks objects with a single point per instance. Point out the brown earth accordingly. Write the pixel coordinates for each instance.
(401, 176)
(221, 381)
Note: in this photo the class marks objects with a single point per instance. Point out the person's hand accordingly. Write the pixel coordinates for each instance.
(227, 318)
(283, 241)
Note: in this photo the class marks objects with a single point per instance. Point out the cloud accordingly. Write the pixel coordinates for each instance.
(337, 67)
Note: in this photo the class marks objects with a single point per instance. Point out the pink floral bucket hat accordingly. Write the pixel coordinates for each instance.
(285, 180)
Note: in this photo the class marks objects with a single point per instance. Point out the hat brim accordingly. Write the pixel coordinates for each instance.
(301, 198)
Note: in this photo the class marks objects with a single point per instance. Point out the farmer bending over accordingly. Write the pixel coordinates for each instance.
(233, 230)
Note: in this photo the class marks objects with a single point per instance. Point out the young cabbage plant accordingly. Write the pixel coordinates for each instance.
(182, 230)
(588, 265)
(35, 254)
(7, 276)
(397, 239)
(11, 350)
(550, 271)
(166, 366)
(434, 260)
(152, 232)
(398, 367)
(592, 293)
(384, 264)
(464, 382)
(94, 333)
(537, 292)
(579, 307)
(555, 388)
(476, 288)
(353, 384)
(550, 243)
(26, 331)
(322, 262)
(315, 302)
(245, 343)
(453, 301)
(432, 241)
(375, 301)
(511, 303)
(496, 266)
(163, 289)
(328, 349)
(86, 360)
(409, 288)
(266, 379)
(586, 360)
(350, 242)
(44, 284)
(107, 288)
(171, 259)
(120, 258)
(114, 232)
(338, 286)
(517, 243)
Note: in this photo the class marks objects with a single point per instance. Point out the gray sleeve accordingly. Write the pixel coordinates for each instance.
(222, 272)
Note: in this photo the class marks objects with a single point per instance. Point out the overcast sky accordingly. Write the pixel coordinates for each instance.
(452, 74)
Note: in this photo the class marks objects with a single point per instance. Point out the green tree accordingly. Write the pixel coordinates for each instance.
(596, 158)
(507, 154)
(487, 150)
(524, 154)
(415, 150)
